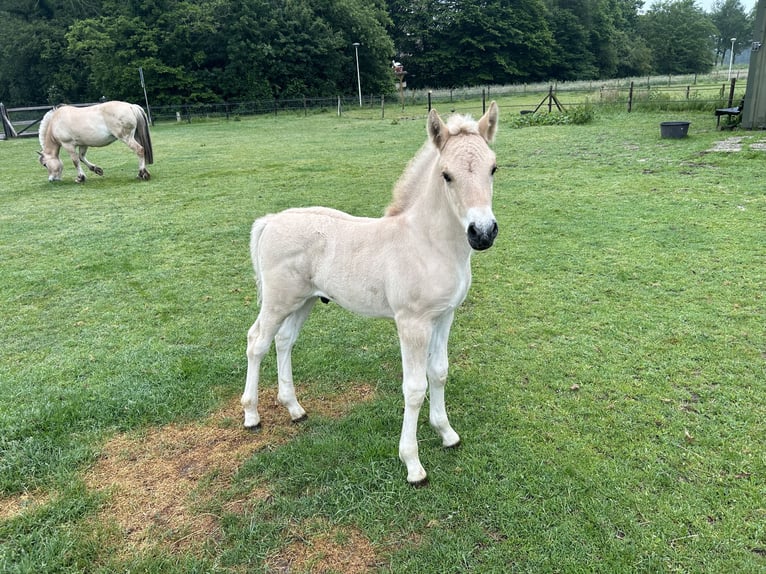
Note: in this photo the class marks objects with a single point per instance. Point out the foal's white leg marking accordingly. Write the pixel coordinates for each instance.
(414, 335)
(438, 365)
(284, 341)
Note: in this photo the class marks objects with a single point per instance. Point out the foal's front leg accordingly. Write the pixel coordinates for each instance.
(438, 366)
(414, 336)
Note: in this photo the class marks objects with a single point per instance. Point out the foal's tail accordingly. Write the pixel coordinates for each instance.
(255, 238)
(142, 134)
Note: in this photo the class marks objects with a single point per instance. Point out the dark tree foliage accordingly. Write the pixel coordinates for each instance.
(448, 43)
(681, 36)
(731, 21)
(240, 50)
(597, 39)
(192, 50)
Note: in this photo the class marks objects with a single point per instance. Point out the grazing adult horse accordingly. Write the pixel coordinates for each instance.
(412, 265)
(76, 129)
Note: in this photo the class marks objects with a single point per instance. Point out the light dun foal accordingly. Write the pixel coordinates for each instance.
(412, 265)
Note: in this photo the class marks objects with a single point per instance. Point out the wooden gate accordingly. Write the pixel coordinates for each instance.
(21, 122)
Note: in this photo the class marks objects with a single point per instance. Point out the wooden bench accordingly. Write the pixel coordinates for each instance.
(729, 112)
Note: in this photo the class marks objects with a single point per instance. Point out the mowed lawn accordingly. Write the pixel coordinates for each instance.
(608, 368)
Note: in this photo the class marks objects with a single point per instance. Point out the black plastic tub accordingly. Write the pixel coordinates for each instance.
(674, 130)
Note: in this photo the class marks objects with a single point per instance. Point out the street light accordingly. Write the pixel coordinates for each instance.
(358, 77)
(731, 56)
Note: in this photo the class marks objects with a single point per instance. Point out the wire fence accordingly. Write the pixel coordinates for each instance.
(710, 91)
(633, 94)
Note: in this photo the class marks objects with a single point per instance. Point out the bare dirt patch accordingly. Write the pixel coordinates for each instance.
(343, 550)
(158, 479)
(12, 506)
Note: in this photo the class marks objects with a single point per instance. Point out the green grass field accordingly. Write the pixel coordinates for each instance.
(607, 373)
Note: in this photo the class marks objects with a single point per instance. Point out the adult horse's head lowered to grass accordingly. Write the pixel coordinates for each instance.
(412, 265)
(76, 129)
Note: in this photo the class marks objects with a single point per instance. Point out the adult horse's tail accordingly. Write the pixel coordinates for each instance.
(142, 134)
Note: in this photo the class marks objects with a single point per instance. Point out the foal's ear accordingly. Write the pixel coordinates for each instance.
(437, 130)
(488, 123)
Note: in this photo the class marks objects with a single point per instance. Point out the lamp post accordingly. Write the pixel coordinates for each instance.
(731, 56)
(358, 77)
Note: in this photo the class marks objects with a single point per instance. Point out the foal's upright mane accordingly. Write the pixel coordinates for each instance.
(411, 180)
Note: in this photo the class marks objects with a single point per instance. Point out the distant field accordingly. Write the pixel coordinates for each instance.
(607, 373)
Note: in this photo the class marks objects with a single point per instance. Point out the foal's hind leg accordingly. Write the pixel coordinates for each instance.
(284, 342)
(259, 339)
(284, 330)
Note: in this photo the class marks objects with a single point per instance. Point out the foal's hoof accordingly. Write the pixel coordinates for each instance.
(80, 179)
(144, 175)
(254, 428)
(98, 171)
(452, 446)
(419, 483)
(300, 419)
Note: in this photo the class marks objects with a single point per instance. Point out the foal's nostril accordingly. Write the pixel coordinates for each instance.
(482, 238)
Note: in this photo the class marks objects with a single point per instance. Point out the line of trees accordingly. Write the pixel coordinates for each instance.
(240, 50)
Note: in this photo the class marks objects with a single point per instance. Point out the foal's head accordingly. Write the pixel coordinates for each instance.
(467, 167)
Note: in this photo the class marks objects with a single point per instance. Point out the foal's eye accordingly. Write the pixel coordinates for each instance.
(447, 177)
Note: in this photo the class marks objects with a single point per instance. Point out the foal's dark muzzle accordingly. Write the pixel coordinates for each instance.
(482, 237)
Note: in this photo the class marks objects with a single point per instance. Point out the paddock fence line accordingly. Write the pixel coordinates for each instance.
(631, 97)
(711, 91)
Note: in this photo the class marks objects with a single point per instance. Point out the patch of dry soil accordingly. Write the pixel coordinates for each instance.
(157, 480)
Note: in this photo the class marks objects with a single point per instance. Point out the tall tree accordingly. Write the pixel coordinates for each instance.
(450, 43)
(681, 36)
(34, 66)
(634, 57)
(731, 21)
(571, 24)
(597, 39)
(208, 50)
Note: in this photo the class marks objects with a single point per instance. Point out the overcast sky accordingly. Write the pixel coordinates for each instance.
(707, 5)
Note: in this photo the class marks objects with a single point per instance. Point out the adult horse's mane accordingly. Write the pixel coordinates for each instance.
(406, 187)
(43, 131)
